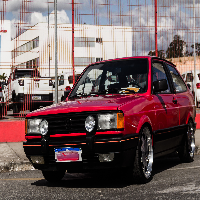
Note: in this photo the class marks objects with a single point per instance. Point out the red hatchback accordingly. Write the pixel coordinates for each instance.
(121, 114)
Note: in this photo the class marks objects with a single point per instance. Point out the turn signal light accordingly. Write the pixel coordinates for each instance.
(198, 85)
(120, 120)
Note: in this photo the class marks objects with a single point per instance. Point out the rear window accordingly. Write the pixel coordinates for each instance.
(70, 79)
(198, 76)
(189, 77)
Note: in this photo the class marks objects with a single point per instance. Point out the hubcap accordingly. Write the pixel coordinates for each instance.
(191, 139)
(146, 152)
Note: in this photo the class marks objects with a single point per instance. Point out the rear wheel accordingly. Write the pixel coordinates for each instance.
(186, 153)
(142, 168)
(53, 176)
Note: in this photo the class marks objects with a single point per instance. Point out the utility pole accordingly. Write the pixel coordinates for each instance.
(156, 35)
(195, 88)
(56, 62)
(73, 41)
(48, 39)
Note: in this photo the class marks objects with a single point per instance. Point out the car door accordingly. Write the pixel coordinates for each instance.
(166, 111)
(183, 96)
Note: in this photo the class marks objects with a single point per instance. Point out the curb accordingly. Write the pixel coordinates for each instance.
(15, 166)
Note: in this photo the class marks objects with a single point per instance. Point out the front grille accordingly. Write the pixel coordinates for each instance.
(67, 123)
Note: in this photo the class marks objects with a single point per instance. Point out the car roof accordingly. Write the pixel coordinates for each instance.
(133, 57)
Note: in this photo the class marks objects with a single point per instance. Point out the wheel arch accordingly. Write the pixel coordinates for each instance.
(144, 120)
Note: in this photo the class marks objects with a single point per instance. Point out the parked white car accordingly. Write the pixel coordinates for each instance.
(27, 90)
(188, 77)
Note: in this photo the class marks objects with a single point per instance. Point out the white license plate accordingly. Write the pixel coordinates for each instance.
(68, 154)
(36, 98)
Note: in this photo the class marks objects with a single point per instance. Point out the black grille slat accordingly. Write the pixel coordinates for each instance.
(66, 123)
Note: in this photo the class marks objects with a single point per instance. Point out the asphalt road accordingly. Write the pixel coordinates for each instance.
(171, 180)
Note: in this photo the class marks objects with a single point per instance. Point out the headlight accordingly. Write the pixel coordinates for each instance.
(37, 126)
(89, 123)
(110, 121)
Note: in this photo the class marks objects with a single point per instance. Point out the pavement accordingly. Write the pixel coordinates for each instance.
(13, 158)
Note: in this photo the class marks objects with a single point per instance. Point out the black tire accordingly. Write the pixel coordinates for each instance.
(186, 152)
(141, 171)
(53, 176)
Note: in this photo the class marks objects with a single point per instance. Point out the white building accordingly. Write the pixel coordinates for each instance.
(5, 47)
(92, 43)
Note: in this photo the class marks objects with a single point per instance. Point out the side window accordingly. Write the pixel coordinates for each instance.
(177, 80)
(159, 73)
(189, 77)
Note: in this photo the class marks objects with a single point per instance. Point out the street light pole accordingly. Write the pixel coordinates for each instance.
(48, 39)
(156, 35)
(73, 41)
(56, 70)
(195, 88)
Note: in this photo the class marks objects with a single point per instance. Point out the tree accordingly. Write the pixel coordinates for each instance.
(176, 48)
(197, 47)
(3, 77)
(161, 53)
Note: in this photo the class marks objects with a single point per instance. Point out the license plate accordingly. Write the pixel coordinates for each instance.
(36, 98)
(68, 154)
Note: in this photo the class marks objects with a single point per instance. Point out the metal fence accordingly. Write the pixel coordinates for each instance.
(166, 28)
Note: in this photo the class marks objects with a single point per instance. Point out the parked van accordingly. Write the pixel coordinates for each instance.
(188, 77)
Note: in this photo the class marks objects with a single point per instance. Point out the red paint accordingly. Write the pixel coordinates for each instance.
(12, 131)
(197, 120)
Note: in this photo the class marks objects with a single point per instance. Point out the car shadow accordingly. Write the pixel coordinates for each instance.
(108, 180)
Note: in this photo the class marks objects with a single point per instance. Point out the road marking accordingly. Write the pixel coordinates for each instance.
(185, 168)
(21, 179)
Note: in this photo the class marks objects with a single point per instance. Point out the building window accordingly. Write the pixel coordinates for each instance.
(99, 59)
(83, 61)
(26, 47)
(98, 40)
(84, 42)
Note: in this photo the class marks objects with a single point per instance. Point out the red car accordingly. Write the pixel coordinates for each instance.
(121, 114)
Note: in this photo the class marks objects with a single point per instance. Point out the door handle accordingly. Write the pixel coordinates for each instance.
(174, 101)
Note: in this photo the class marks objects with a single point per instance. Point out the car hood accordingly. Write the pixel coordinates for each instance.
(106, 102)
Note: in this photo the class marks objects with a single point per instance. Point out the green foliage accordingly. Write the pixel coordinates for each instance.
(3, 77)
(161, 53)
(197, 47)
(176, 47)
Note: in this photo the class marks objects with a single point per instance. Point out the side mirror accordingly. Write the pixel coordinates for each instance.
(61, 82)
(189, 86)
(160, 85)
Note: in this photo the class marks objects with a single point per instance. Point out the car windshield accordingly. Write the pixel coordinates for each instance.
(113, 77)
(26, 73)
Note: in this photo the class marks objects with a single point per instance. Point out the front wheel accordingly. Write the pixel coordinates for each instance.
(53, 176)
(186, 153)
(142, 168)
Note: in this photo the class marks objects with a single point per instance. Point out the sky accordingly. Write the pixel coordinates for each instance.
(174, 17)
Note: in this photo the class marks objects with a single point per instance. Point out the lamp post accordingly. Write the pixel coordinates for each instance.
(195, 89)
(56, 70)
(73, 41)
(156, 36)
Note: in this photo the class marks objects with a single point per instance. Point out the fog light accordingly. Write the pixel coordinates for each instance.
(106, 157)
(37, 159)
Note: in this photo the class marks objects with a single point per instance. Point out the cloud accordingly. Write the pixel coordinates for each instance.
(37, 17)
(19, 26)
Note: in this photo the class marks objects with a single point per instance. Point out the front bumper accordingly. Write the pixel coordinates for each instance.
(46, 99)
(91, 146)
